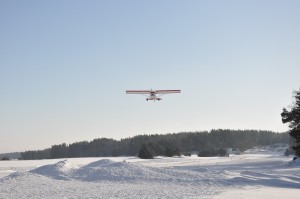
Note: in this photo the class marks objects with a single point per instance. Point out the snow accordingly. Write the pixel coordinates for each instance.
(258, 173)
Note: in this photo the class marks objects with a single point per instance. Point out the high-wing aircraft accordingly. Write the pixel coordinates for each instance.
(152, 94)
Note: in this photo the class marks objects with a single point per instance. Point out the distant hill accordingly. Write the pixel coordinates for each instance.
(15, 155)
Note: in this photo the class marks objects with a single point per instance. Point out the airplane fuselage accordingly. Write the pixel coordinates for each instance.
(152, 96)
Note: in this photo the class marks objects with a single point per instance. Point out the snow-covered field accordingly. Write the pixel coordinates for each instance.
(255, 174)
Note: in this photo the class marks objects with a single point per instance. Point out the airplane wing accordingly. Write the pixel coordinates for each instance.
(138, 92)
(167, 91)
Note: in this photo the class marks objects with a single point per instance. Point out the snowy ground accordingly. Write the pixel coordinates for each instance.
(255, 174)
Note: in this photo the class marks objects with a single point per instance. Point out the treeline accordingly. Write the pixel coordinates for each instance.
(11, 156)
(185, 142)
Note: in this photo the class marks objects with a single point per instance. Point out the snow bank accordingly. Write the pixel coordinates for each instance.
(107, 170)
(4, 173)
(109, 179)
(59, 170)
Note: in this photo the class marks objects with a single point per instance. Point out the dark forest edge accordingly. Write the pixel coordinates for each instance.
(185, 142)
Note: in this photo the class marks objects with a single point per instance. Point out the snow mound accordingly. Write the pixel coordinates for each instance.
(107, 170)
(12, 176)
(60, 170)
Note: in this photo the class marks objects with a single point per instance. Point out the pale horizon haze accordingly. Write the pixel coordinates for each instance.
(65, 66)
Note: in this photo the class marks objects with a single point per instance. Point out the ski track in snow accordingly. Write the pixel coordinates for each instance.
(128, 177)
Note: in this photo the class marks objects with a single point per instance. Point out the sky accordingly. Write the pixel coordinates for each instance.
(65, 66)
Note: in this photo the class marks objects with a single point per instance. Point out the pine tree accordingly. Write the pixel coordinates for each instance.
(293, 118)
(145, 152)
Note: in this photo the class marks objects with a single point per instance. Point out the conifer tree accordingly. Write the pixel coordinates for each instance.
(293, 118)
(146, 152)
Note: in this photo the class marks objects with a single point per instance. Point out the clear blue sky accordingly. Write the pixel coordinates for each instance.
(65, 66)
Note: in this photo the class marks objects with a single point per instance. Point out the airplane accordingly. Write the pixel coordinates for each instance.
(151, 94)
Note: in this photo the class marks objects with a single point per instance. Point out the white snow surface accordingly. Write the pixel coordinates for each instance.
(259, 173)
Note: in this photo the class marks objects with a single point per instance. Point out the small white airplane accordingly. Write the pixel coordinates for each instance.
(151, 94)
